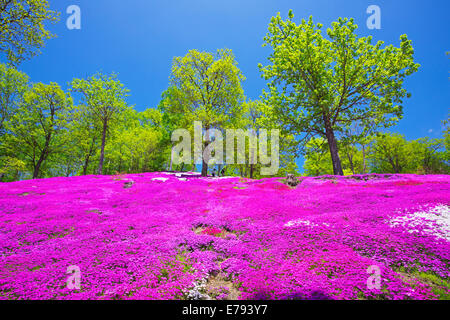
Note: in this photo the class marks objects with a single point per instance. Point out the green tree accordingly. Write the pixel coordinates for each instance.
(259, 117)
(353, 136)
(13, 85)
(172, 118)
(11, 165)
(353, 161)
(104, 95)
(390, 153)
(86, 135)
(22, 27)
(446, 130)
(428, 156)
(134, 144)
(250, 120)
(319, 85)
(33, 131)
(207, 88)
(317, 158)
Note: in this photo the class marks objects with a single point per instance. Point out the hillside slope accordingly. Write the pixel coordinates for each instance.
(167, 237)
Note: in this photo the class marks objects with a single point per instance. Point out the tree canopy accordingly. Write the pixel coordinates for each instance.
(318, 85)
(34, 130)
(207, 88)
(105, 98)
(13, 85)
(22, 27)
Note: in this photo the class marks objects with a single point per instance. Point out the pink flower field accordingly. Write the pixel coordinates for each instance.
(168, 236)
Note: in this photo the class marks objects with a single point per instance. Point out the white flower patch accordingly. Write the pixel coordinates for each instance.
(160, 179)
(198, 291)
(434, 220)
(301, 222)
(178, 174)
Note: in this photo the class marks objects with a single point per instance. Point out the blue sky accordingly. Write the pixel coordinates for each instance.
(139, 38)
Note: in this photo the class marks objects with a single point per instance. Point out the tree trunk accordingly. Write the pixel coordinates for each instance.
(392, 163)
(37, 168)
(204, 168)
(88, 156)
(120, 166)
(332, 144)
(205, 163)
(251, 171)
(397, 166)
(350, 160)
(68, 170)
(364, 159)
(42, 157)
(102, 150)
(86, 163)
(171, 158)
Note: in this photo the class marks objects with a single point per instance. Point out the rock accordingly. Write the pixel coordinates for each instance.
(291, 180)
(128, 184)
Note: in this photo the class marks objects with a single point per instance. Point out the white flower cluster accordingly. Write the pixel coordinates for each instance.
(197, 292)
(435, 221)
(300, 222)
(160, 179)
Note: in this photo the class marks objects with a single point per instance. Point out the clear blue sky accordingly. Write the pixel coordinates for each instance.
(138, 39)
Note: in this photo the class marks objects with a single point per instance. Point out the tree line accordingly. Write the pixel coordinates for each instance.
(382, 153)
(333, 95)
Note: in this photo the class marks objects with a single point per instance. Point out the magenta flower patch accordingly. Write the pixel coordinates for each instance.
(166, 238)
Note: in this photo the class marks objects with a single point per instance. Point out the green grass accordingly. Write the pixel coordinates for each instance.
(440, 287)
